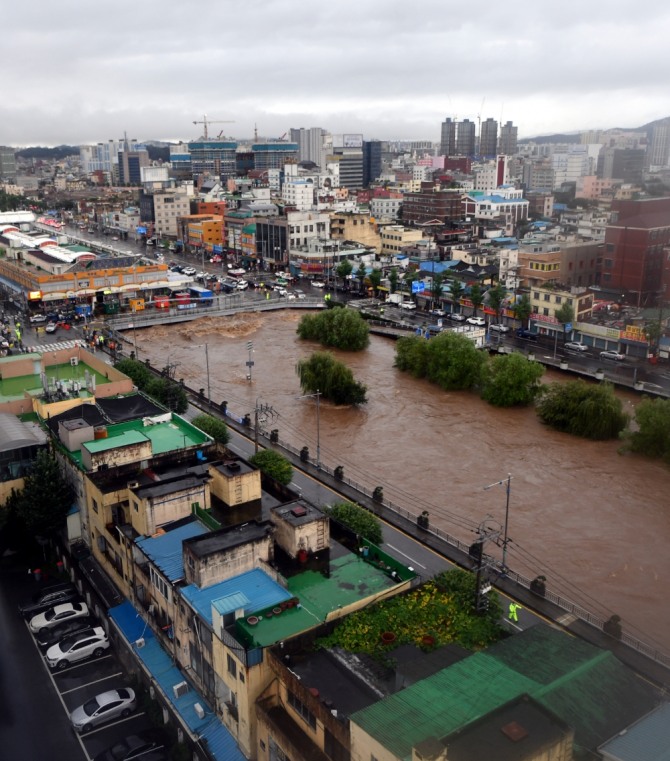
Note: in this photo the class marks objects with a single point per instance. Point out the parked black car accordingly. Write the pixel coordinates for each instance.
(527, 334)
(47, 597)
(52, 636)
(141, 746)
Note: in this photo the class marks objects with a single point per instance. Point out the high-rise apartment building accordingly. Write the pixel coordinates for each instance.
(658, 154)
(488, 138)
(310, 143)
(448, 138)
(372, 161)
(466, 138)
(213, 157)
(508, 139)
(274, 155)
(131, 160)
(7, 164)
(104, 157)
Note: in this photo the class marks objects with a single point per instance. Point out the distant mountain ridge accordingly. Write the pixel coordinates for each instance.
(575, 137)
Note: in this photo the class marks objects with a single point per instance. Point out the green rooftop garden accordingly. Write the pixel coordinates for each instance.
(12, 388)
(439, 612)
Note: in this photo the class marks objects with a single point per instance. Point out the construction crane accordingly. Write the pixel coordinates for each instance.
(207, 122)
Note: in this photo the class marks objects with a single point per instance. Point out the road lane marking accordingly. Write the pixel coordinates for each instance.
(90, 684)
(414, 562)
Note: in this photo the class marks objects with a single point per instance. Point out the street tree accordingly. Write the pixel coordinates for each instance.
(653, 331)
(344, 269)
(213, 427)
(476, 297)
(408, 278)
(497, 296)
(457, 290)
(523, 310)
(274, 465)
(46, 497)
(358, 519)
(340, 328)
(565, 314)
(511, 380)
(652, 437)
(582, 409)
(333, 379)
(375, 278)
(393, 279)
(137, 371)
(361, 274)
(437, 289)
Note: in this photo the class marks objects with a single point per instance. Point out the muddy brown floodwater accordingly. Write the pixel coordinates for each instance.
(595, 522)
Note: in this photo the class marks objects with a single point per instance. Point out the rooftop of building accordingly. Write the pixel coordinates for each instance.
(172, 435)
(586, 687)
(227, 538)
(65, 374)
(521, 728)
(646, 740)
(165, 549)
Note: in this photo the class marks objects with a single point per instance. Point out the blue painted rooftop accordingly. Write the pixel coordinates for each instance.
(259, 589)
(646, 740)
(220, 743)
(501, 199)
(165, 551)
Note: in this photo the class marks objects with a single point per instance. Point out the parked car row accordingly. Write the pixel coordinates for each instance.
(70, 637)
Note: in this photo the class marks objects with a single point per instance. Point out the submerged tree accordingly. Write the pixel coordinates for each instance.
(341, 328)
(511, 380)
(334, 380)
(582, 409)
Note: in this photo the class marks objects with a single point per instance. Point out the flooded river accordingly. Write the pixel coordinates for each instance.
(593, 521)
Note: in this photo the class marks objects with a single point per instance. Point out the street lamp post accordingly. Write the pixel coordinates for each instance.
(508, 482)
(316, 395)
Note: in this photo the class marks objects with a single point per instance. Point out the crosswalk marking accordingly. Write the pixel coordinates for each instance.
(57, 346)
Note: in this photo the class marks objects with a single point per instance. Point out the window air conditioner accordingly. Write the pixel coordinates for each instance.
(180, 689)
(74, 361)
(139, 643)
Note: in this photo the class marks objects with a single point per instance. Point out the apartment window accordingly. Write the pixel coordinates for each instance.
(547, 297)
(160, 584)
(559, 299)
(95, 505)
(300, 708)
(545, 312)
(232, 666)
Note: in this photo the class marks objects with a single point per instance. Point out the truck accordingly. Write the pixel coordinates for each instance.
(202, 296)
(395, 298)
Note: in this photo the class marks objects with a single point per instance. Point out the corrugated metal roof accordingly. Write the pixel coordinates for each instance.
(165, 551)
(220, 743)
(261, 591)
(230, 603)
(588, 688)
(647, 740)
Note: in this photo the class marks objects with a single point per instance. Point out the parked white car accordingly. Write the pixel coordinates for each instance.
(76, 647)
(104, 707)
(479, 321)
(408, 305)
(56, 615)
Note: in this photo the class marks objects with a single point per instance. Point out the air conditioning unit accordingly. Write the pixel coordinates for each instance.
(180, 689)
(74, 361)
(139, 643)
(199, 710)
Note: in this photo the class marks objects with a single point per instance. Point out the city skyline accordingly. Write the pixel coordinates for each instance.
(387, 70)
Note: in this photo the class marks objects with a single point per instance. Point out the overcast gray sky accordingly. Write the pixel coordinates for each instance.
(75, 72)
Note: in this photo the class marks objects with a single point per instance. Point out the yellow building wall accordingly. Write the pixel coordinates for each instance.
(235, 490)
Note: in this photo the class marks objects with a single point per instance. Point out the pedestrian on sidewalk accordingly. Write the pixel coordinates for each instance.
(513, 610)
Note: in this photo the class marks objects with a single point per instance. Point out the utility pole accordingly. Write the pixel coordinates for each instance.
(263, 409)
(484, 562)
(508, 486)
(209, 388)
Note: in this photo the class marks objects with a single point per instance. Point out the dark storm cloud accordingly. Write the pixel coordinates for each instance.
(76, 72)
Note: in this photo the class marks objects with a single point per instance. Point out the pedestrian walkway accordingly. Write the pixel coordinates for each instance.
(57, 346)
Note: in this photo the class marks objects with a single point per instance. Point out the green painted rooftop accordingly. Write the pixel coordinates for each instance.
(586, 687)
(15, 388)
(165, 437)
(351, 580)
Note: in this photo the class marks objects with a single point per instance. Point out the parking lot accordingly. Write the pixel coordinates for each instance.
(77, 683)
